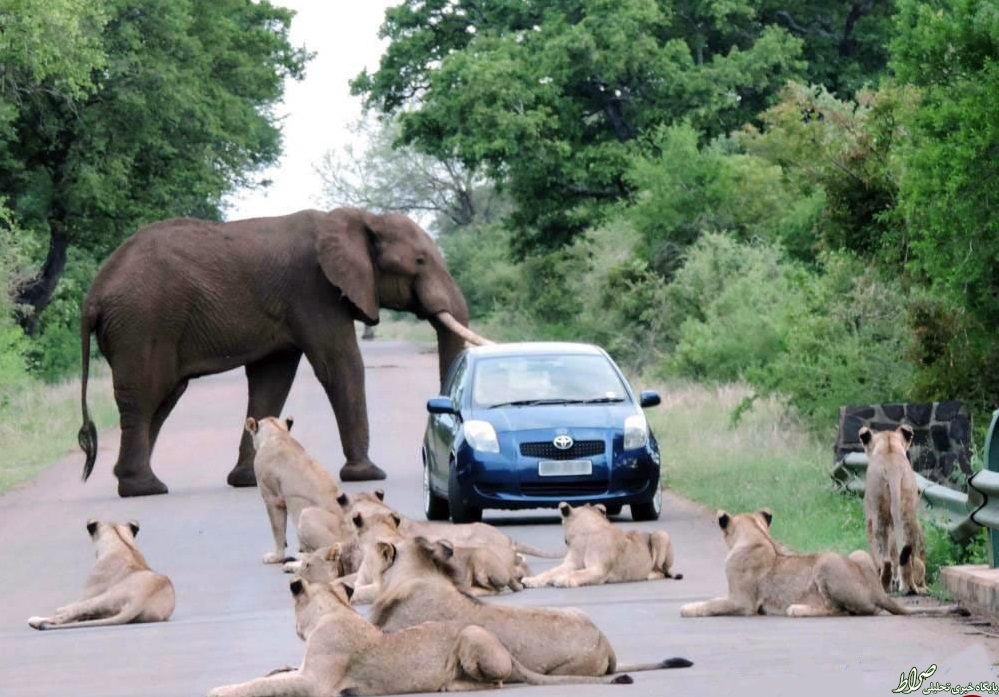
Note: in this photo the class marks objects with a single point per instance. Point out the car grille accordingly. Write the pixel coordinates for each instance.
(547, 451)
(562, 488)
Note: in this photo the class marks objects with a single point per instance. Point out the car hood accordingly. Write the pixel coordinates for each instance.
(556, 416)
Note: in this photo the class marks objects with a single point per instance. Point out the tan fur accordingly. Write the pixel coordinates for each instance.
(599, 552)
(469, 535)
(483, 570)
(289, 480)
(346, 654)
(121, 587)
(765, 579)
(551, 641)
(890, 501)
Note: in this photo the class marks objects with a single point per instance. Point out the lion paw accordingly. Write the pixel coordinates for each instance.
(38, 622)
(273, 558)
(689, 610)
(292, 567)
(532, 582)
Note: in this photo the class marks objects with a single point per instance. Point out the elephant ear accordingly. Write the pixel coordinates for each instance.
(344, 252)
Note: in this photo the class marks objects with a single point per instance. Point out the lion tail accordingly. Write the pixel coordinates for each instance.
(535, 552)
(87, 436)
(660, 665)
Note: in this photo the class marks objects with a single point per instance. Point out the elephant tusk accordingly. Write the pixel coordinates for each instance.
(448, 320)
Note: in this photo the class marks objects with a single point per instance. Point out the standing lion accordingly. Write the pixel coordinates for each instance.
(890, 501)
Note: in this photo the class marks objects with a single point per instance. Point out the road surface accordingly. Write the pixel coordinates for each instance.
(234, 616)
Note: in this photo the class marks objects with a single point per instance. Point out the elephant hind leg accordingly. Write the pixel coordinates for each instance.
(141, 396)
(269, 381)
(163, 411)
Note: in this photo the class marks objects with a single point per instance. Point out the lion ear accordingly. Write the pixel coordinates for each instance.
(343, 246)
(446, 548)
(348, 590)
(297, 586)
(251, 425)
(767, 515)
(91, 526)
(865, 435)
(907, 433)
(380, 494)
(343, 499)
(358, 520)
(602, 508)
(723, 519)
(397, 519)
(133, 525)
(388, 551)
(565, 509)
(288, 423)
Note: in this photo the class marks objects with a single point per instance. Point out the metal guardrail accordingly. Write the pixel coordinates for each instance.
(963, 515)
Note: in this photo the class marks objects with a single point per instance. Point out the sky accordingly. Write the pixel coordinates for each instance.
(317, 110)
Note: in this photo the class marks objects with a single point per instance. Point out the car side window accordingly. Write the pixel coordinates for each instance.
(457, 380)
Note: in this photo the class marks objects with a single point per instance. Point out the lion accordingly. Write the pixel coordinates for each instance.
(765, 579)
(562, 641)
(121, 587)
(890, 501)
(483, 570)
(288, 478)
(601, 553)
(347, 655)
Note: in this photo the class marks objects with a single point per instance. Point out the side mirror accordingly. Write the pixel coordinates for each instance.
(440, 405)
(649, 398)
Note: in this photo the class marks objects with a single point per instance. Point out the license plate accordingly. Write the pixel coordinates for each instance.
(564, 468)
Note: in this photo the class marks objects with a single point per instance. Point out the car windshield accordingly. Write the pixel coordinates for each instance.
(545, 379)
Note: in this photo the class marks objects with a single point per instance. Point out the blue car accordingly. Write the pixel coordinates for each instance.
(528, 425)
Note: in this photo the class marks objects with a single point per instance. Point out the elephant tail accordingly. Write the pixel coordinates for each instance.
(88, 432)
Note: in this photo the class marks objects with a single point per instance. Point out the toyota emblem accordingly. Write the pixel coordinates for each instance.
(562, 442)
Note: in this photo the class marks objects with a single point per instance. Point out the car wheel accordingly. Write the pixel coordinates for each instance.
(434, 507)
(613, 508)
(460, 513)
(648, 510)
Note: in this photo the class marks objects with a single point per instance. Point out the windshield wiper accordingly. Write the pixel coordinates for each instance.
(557, 401)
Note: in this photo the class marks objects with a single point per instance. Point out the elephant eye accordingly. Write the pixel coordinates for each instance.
(420, 261)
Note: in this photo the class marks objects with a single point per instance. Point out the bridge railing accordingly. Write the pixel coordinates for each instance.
(963, 515)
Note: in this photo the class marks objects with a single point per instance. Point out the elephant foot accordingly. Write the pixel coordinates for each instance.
(242, 477)
(364, 471)
(145, 486)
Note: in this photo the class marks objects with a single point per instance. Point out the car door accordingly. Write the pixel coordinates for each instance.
(445, 426)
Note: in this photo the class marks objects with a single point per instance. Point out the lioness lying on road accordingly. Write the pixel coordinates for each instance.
(120, 589)
(346, 655)
(890, 501)
(562, 641)
(599, 552)
(484, 570)
(288, 478)
(763, 578)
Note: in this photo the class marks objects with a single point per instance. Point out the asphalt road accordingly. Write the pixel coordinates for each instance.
(234, 615)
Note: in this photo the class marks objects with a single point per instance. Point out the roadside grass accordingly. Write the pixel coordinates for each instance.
(39, 423)
(765, 459)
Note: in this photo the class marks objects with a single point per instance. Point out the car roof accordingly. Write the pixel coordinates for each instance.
(532, 348)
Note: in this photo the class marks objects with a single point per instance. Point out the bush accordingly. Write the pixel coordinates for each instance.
(13, 343)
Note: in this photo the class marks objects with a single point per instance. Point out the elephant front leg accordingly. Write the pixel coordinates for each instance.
(342, 376)
(268, 382)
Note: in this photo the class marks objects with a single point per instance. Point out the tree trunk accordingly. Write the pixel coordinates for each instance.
(33, 296)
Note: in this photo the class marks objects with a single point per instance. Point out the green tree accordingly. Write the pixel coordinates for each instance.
(176, 111)
(551, 98)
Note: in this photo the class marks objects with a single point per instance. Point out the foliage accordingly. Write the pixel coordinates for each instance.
(382, 175)
(550, 98)
(13, 343)
(174, 112)
(478, 258)
(947, 190)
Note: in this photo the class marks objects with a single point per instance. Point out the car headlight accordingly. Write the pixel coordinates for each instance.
(636, 432)
(481, 436)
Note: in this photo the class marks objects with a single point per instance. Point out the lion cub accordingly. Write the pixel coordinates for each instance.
(890, 501)
(289, 480)
(346, 654)
(765, 579)
(601, 553)
(120, 589)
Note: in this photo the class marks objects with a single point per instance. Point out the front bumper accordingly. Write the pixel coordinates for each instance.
(510, 479)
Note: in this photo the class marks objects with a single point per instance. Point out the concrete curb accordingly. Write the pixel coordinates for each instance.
(975, 587)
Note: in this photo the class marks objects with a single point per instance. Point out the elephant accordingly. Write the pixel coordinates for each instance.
(183, 298)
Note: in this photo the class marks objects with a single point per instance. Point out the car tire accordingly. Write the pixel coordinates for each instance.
(460, 513)
(613, 508)
(434, 506)
(648, 510)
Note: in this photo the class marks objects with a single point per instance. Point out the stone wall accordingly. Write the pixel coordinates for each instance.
(940, 447)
